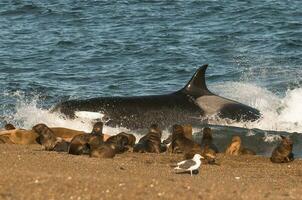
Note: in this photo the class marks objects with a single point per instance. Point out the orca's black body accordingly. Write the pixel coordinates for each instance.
(189, 105)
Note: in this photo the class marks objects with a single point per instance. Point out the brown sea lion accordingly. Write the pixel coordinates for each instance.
(4, 139)
(151, 142)
(23, 136)
(66, 133)
(46, 137)
(20, 136)
(283, 152)
(188, 131)
(182, 144)
(122, 142)
(81, 144)
(207, 139)
(236, 148)
(102, 151)
(208, 154)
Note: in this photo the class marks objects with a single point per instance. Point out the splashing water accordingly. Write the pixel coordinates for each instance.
(278, 113)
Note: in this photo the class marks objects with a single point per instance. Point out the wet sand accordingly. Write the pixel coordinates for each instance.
(27, 172)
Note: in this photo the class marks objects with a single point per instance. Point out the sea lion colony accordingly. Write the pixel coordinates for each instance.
(100, 145)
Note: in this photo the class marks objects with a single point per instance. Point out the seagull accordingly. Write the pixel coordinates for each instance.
(189, 165)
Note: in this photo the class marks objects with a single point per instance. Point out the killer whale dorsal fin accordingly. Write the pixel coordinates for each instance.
(197, 85)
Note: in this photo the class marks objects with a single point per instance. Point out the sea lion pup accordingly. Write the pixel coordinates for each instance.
(236, 148)
(187, 131)
(82, 144)
(122, 142)
(103, 151)
(47, 138)
(207, 139)
(9, 127)
(208, 154)
(151, 142)
(283, 152)
(182, 144)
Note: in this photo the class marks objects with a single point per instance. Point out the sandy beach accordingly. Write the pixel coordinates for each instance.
(27, 172)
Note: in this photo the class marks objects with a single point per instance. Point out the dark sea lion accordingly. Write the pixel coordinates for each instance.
(283, 152)
(207, 139)
(122, 142)
(151, 142)
(61, 145)
(9, 127)
(182, 144)
(207, 153)
(81, 144)
(188, 131)
(236, 148)
(46, 137)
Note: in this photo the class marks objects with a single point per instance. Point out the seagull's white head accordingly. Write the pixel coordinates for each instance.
(197, 157)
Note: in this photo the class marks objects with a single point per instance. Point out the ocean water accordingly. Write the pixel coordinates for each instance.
(50, 52)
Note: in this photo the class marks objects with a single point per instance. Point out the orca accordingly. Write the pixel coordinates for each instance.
(191, 104)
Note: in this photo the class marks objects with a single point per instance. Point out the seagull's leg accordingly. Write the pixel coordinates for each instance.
(191, 173)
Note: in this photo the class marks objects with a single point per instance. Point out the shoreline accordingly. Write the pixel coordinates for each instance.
(27, 172)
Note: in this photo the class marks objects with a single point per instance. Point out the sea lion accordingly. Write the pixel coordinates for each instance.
(207, 139)
(9, 127)
(122, 142)
(66, 133)
(81, 144)
(188, 131)
(236, 148)
(46, 137)
(151, 142)
(208, 154)
(19, 136)
(102, 151)
(182, 144)
(4, 139)
(283, 152)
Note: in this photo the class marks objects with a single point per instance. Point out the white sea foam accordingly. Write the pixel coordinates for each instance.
(278, 113)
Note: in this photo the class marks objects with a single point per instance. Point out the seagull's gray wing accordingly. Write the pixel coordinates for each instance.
(187, 164)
